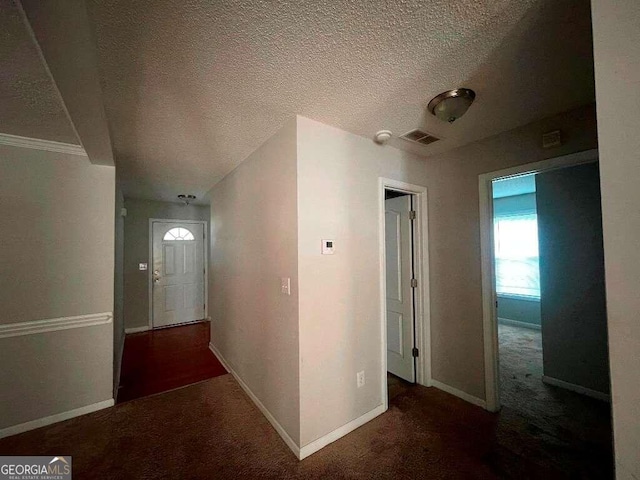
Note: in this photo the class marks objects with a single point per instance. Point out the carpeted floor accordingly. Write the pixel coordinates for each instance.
(568, 429)
(213, 430)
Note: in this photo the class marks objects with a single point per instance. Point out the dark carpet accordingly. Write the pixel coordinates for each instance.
(568, 430)
(213, 430)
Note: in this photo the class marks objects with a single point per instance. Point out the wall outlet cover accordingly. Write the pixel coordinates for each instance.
(328, 246)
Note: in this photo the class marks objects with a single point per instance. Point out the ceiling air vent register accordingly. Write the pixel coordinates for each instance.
(419, 136)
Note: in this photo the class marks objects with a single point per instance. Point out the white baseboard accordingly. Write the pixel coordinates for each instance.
(516, 323)
(136, 329)
(459, 393)
(59, 417)
(340, 432)
(576, 388)
(281, 431)
(310, 448)
(217, 353)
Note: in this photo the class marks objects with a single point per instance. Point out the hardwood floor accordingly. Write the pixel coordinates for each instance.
(161, 360)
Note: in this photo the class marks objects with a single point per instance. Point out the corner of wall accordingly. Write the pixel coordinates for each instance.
(253, 245)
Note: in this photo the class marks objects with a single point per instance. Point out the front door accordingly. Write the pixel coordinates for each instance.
(178, 273)
(398, 252)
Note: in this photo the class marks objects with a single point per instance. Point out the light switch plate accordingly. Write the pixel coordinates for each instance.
(142, 266)
(328, 246)
(285, 285)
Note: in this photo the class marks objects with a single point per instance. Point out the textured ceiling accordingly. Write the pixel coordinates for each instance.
(192, 87)
(29, 103)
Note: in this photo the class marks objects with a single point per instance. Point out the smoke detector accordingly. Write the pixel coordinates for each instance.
(382, 137)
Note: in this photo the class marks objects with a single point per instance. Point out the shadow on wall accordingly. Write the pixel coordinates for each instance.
(573, 306)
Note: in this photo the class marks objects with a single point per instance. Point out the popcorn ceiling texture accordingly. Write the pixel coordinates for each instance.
(29, 103)
(192, 87)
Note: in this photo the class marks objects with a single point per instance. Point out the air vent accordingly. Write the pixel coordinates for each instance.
(419, 136)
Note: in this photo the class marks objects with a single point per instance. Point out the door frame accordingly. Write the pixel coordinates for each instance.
(150, 263)
(422, 333)
(487, 255)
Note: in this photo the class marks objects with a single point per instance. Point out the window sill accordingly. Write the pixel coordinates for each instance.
(514, 296)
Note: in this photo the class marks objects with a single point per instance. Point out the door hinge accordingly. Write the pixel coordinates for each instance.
(412, 215)
(414, 283)
(415, 352)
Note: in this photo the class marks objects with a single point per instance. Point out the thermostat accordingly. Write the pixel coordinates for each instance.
(327, 247)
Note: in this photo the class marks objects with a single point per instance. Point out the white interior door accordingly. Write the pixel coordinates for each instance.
(178, 273)
(398, 251)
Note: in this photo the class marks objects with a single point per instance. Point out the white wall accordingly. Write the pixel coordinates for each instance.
(57, 246)
(253, 244)
(340, 318)
(616, 40)
(118, 286)
(56, 260)
(331, 323)
(454, 237)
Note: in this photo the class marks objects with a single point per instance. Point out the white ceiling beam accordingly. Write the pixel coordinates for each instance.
(62, 35)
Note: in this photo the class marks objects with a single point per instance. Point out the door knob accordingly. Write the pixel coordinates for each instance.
(156, 276)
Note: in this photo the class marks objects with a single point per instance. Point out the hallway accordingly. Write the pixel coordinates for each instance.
(162, 360)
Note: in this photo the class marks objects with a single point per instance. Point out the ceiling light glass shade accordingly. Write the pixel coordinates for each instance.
(451, 105)
(186, 199)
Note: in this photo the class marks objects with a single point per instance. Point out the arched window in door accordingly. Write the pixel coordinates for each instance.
(178, 233)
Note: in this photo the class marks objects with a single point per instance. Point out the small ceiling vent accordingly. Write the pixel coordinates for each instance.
(419, 136)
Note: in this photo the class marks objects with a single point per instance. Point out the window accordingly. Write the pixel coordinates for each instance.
(517, 257)
(178, 234)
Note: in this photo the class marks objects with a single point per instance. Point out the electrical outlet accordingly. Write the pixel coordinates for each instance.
(360, 379)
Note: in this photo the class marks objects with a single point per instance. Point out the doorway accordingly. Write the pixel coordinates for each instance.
(520, 291)
(399, 265)
(404, 286)
(545, 321)
(178, 273)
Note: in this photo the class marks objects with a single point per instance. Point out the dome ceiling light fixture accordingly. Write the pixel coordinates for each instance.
(186, 199)
(452, 104)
